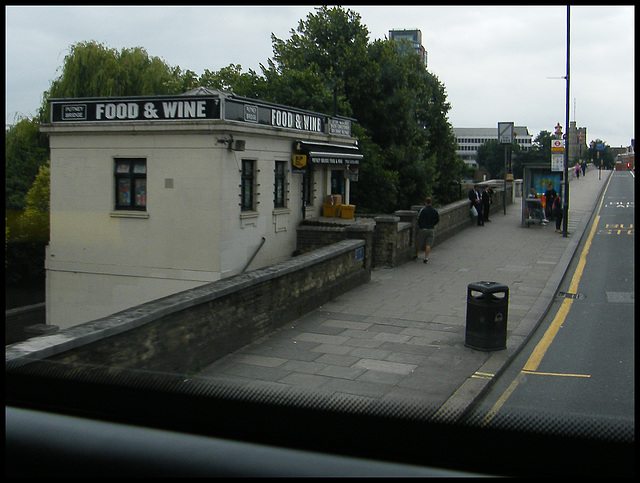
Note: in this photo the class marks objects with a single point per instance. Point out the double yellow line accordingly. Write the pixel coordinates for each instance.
(535, 359)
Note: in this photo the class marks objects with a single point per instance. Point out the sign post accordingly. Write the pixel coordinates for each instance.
(557, 154)
(505, 136)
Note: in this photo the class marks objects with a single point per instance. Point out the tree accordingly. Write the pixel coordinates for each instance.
(491, 158)
(540, 153)
(311, 69)
(604, 155)
(93, 70)
(328, 65)
(34, 222)
(232, 79)
(26, 151)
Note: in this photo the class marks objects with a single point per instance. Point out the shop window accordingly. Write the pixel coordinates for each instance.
(247, 187)
(279, 192)
(131, 184)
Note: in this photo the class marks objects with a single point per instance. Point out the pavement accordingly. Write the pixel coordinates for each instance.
(402, 335)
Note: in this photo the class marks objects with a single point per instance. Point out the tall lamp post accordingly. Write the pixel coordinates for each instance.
(565, 207)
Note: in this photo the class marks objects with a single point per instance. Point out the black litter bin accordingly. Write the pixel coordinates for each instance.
(487, 307)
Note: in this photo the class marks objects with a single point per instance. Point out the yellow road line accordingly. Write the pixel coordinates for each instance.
(557, 374)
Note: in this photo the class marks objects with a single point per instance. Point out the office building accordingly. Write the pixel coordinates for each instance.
(414, 37)
(470, 139)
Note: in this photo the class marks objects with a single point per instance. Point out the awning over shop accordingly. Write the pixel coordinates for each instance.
(325, 153)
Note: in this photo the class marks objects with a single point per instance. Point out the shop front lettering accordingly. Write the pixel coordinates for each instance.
(184, 109)
(170, 110)
(77, 112)
(122, 110)
(290, 120)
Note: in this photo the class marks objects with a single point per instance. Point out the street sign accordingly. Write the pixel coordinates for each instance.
(557, 145)
(557, 161)
(505, 132)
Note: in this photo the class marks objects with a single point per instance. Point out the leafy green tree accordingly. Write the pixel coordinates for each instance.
(26, 150)
(377, 188)
(605, 155)
(387, 103)
(94, 70)
(232, 79)
(34, 222)
(540, 151)
(329, 65)
(491, 158)
(311, 69)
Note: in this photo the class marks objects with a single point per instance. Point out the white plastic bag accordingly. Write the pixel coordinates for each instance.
(474, 212)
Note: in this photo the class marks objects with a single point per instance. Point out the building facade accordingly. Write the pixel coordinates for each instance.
(414, 37)
(470, 139)
(577, 143)
(151, 196)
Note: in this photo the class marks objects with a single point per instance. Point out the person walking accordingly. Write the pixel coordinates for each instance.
(476, 202)
(576, 170)
(487, 200)
(558, 212)
(428, 218)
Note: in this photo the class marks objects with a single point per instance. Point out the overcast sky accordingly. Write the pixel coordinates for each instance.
(498, 64)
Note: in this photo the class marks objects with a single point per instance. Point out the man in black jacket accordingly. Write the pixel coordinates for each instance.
(476, 200)
(487, 199)
(427, 221)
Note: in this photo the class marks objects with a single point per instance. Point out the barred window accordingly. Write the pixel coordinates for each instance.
(247, 188)
(279, 192)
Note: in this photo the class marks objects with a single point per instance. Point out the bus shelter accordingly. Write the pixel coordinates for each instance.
(535, 182)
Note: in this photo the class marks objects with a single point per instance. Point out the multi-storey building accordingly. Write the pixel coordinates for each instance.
(415, 38)
(470, 139)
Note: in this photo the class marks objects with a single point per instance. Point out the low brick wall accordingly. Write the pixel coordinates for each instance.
(184, 332)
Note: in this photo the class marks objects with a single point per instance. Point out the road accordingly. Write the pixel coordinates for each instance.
(579, 364)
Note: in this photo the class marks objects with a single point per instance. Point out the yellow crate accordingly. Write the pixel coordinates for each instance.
(329, 210)
(347, 211)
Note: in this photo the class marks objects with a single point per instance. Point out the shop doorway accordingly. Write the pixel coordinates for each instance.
(338, 183)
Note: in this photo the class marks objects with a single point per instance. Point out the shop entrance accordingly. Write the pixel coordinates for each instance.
(338, 183)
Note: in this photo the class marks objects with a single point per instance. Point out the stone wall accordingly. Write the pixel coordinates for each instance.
(393, 237)
(184, 332)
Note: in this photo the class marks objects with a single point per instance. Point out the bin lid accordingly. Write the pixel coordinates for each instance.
(486, 286)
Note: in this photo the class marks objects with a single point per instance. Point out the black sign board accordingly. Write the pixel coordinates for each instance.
(195, 107)
(138, 109)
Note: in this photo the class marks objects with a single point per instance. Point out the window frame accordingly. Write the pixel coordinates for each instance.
(136, 178)
(280, 185)
(248, 185)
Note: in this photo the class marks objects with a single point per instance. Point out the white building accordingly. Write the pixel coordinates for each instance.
(151, 196)
(470, 139)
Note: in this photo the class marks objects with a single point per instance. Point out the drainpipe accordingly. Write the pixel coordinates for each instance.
(254, 255)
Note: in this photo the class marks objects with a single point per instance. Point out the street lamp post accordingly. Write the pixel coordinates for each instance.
(565, 207)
